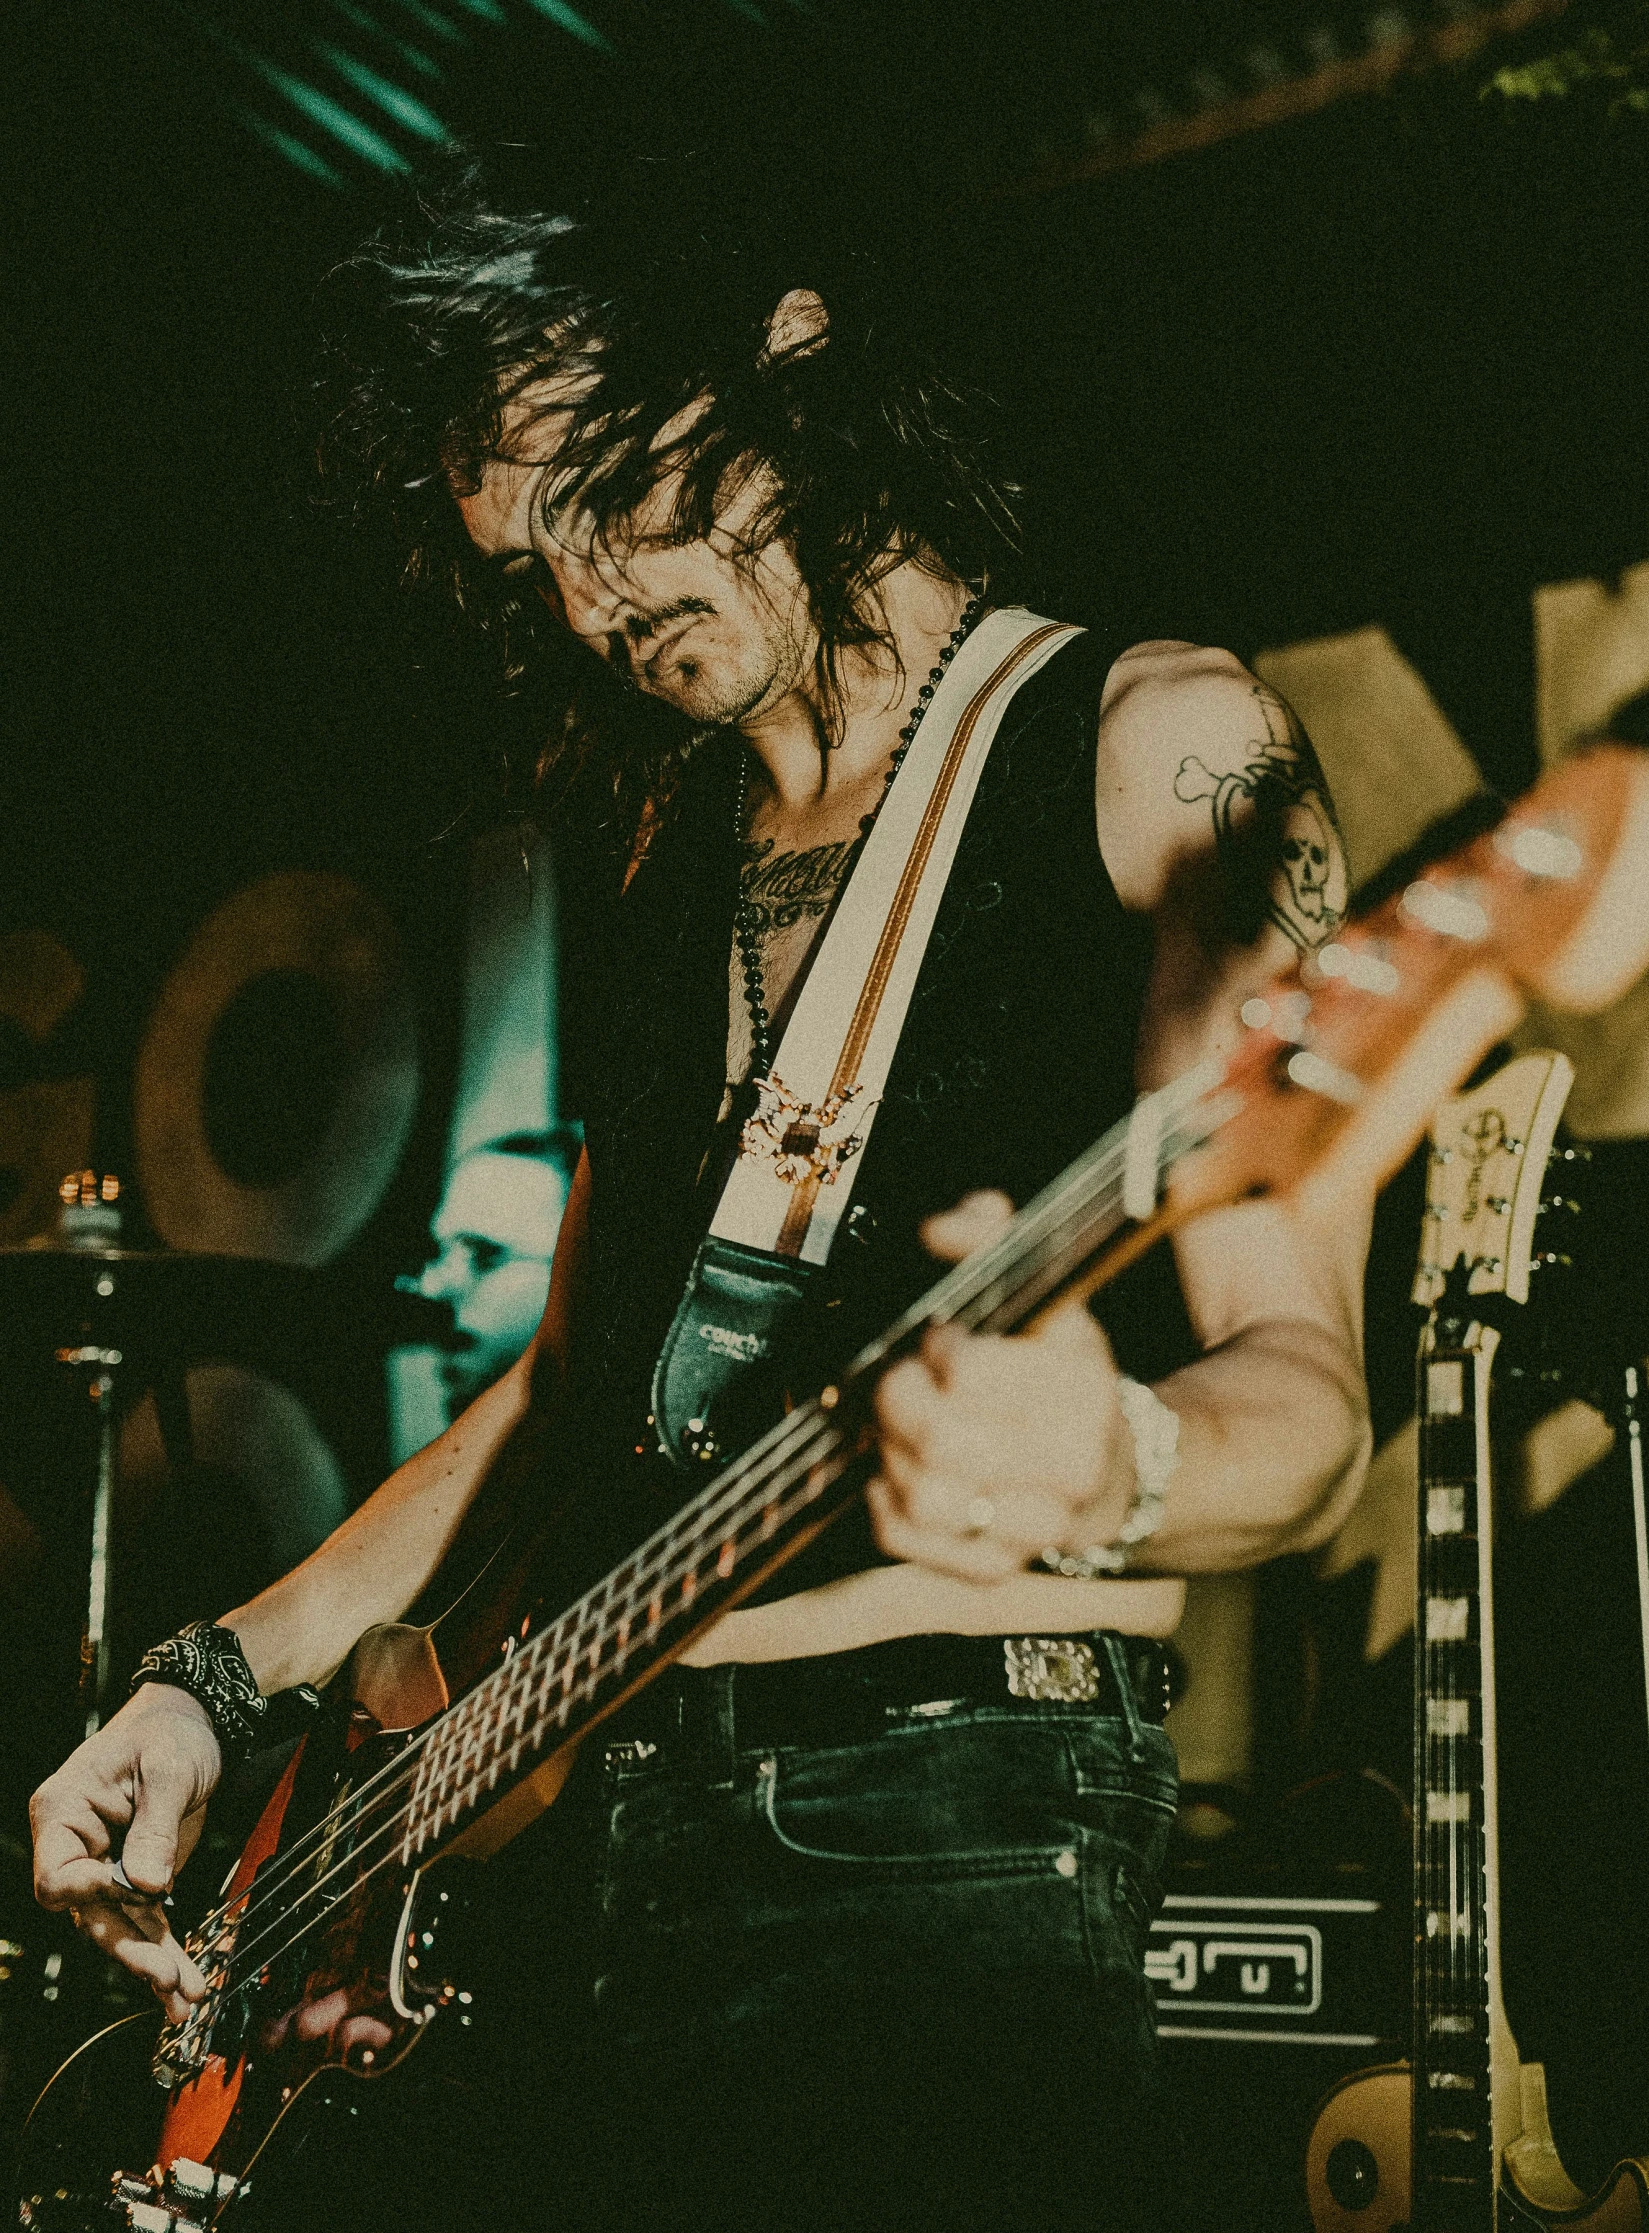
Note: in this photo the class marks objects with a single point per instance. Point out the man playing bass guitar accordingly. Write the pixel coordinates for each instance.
(870, 1873)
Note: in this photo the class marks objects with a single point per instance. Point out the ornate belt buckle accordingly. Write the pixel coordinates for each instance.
(1061, 1668)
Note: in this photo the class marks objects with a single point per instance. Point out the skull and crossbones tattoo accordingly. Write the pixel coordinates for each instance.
(1284, 784)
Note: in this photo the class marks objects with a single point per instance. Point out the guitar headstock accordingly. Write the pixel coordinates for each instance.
(1344, 1059)
(1484, 1180)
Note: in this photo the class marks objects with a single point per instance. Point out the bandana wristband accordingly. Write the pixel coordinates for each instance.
(790, 1185)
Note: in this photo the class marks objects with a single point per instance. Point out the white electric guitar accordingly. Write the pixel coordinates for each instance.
(1457, 2140)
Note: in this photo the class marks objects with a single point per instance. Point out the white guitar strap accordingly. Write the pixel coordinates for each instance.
(798, 1154)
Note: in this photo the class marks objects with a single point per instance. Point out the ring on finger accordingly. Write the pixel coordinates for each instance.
(981, 1516)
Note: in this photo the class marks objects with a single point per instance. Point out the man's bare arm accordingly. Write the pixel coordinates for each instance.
(1274, 1432)
(1202, 765)
(1215, 821)
(1227, 836)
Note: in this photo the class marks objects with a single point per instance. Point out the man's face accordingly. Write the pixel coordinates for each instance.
(712, 629)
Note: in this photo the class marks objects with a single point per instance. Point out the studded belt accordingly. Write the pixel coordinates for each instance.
(838, 1697)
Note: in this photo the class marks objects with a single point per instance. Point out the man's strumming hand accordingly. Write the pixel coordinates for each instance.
(995, 1447)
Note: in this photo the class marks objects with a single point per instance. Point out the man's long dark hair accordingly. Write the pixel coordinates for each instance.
(860, 451)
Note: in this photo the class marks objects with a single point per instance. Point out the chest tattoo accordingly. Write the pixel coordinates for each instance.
(780, 888)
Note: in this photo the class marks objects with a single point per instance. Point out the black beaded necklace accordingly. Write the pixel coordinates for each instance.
(745, 917)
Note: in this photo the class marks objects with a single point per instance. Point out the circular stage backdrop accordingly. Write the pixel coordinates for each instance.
(277, 1081)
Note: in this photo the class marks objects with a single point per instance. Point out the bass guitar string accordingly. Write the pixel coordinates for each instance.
(585, 1690)
(816, 1447)
(298, 1855)
(1070, 1194)
(828, 1446)
(1057, 1202)
(1054, 1208)
(388, 1780)
(994, 1299)
(242, 1953)
(372, 1791)
(230, 1986)
(396, 1770)
(465, 1784)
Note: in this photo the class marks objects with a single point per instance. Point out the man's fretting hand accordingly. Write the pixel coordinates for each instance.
(994, 1448)
(137, 1789)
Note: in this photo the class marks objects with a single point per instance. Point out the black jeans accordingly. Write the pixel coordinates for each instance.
(894, 1980)
(887, 1982)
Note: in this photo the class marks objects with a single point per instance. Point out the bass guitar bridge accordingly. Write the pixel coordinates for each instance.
(176, 2203)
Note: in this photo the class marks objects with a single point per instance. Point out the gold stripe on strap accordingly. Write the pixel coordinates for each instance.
(799, 1215)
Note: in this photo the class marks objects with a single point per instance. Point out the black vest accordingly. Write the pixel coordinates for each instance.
(1017, 1052)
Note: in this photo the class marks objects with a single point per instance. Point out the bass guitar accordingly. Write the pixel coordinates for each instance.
(324, 1954)
(1457, 2139)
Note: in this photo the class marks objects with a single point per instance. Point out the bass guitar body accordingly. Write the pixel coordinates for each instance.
(329, 1963)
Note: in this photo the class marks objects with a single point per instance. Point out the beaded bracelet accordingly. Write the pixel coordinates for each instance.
(1155, 1429)
(207, 1661)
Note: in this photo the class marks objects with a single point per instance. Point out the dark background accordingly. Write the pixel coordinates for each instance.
(1383, 363)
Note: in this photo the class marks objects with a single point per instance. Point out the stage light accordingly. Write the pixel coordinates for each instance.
(344, 125)
(294, 150)
(414, 57)
(442, 26)
(410, 114)
(570, 20)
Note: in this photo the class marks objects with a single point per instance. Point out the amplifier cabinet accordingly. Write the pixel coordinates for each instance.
(1263, 2002)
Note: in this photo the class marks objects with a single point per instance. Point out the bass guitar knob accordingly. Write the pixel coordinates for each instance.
(1353, 2175)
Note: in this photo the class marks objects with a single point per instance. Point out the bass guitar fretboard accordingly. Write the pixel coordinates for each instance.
(781, 1491)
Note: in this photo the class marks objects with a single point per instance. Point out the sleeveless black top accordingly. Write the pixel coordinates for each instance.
(1017, 1052)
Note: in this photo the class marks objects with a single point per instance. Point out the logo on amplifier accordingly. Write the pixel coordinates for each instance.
(1230, 1965)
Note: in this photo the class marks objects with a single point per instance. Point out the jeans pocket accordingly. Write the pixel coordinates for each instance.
(851, 1831)
(1108, 1766)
